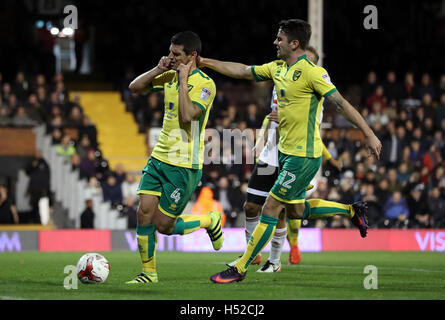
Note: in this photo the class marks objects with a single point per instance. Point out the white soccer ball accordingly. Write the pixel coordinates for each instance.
(93, 268)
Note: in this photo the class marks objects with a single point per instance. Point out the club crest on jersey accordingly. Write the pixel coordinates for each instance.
(296, 75)
(326, 78)
(205, 94)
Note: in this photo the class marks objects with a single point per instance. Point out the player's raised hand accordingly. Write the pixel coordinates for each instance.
(164, 64)
(184, 69)
(374, 145)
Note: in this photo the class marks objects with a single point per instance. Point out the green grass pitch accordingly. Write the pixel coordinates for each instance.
(185, 276)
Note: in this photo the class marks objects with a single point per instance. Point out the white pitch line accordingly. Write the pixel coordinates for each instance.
(356, 267)
(11, 298)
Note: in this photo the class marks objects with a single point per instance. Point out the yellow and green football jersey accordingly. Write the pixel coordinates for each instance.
(182, 144)
(301, 89)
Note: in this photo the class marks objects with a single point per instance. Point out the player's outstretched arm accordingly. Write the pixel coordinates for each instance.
(352, 115)
(230, 69)
(334, 162)
(141, 83)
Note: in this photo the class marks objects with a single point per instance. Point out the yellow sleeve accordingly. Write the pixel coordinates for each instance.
(263, 72)
(203, 93)
(157, 84)
(320, 81)
(326, 153)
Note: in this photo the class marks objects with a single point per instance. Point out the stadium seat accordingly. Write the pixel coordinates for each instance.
(118, 134)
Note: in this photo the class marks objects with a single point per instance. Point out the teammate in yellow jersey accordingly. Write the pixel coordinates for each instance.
(175, 166)
(261, 181)
(293, 225)
(301, 89)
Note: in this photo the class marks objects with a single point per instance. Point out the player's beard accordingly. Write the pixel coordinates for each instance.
(280, 54)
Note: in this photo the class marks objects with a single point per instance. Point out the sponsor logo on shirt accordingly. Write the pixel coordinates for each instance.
(326, 78)
(205, 94)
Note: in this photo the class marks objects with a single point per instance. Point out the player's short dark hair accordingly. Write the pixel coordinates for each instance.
(296, 29)
(189, 40)
(314, 52)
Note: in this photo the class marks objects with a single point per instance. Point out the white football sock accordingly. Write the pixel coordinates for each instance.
(276, 245)
(251, 223)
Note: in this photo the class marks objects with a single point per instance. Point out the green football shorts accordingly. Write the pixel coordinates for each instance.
(172, 184)
(295, 174)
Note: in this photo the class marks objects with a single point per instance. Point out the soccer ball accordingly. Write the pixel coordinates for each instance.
(92, 268)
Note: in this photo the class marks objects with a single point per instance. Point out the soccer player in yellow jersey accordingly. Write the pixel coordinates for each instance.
(293, 225)
(301, 87)
(264, 174)
(175, 166)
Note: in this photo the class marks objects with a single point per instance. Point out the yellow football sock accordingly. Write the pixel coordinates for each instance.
(260, 237)
(293, 227)
(188, 223)
(147, 243)
(318, 208)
